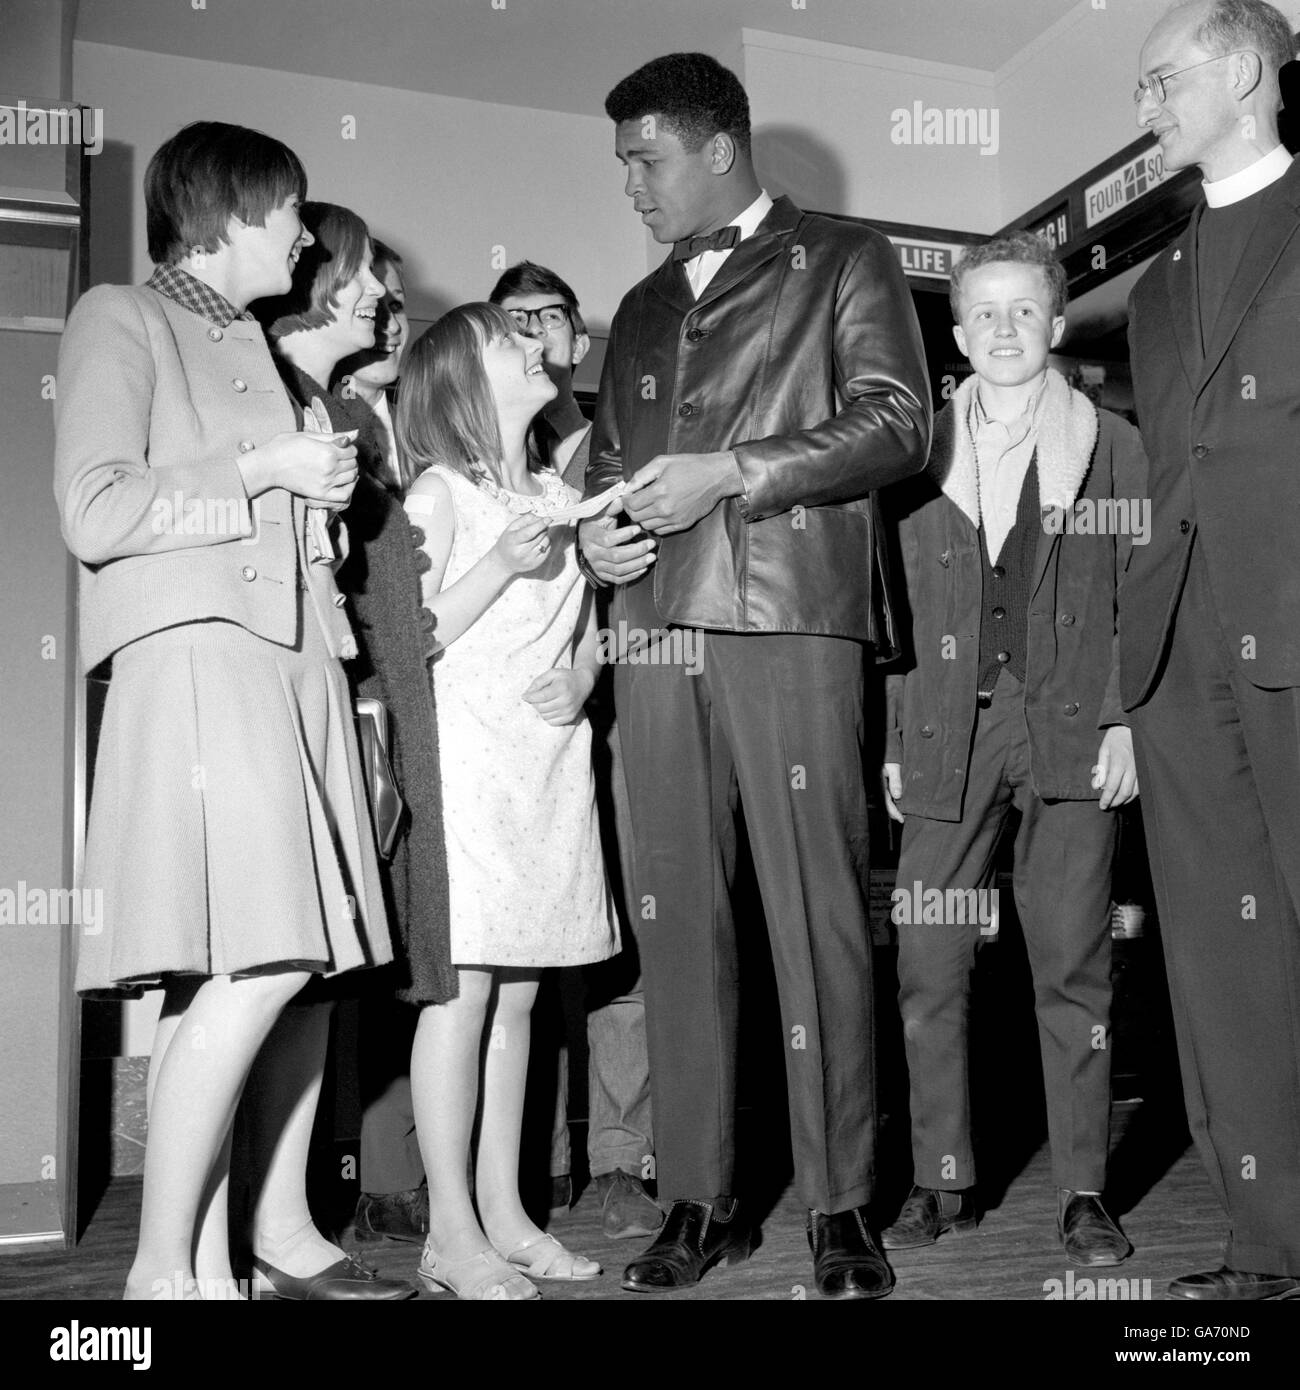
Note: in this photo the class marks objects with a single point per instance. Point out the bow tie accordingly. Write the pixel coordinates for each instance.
(721, 240)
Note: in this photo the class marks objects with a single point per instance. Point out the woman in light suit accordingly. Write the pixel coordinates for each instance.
(228, 827)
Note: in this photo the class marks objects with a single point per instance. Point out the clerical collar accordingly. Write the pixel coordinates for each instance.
(1254, 177)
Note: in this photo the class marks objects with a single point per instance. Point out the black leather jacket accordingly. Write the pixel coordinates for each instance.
(803, 355)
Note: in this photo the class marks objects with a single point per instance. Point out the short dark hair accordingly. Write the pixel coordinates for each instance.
(384, 254)
(693, 94)
(1018, 248)
(208, 173)
(342, 240)
(530, 278)
(445, 410)
(1252, 24)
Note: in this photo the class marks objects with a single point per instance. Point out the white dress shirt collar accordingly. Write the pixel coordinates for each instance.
(702, 268)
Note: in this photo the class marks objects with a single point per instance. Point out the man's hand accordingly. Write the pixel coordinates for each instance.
(617, 554)
(673, 491)
(1116, 771)
(891, 776)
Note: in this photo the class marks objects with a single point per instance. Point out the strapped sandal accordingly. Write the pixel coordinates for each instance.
(485, 1276)
(550, 1260)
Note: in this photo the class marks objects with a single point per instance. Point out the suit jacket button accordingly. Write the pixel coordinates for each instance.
(1072, 708)
(693, 335)
(339, 600)
(248, 574)
(1067, 619)
(686, 409)
(239, 384)
(1184, 526)
(215, 334)
(246, 446)
(927, 732)
(946, 558)
(1201, 450)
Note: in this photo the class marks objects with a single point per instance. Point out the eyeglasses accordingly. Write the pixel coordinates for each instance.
(1155, 83)
(549, 316)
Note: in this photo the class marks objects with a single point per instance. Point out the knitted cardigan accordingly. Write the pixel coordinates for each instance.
(382, 583)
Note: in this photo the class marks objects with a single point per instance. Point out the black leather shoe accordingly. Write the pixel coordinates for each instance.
(1236, 1285)
(392, 1216)
(693, 1239)
(927, 1214)
(347, 1280)
(1087, 1232)
(846, 1261)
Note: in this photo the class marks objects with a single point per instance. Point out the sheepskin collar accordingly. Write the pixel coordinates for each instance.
(1067, 435)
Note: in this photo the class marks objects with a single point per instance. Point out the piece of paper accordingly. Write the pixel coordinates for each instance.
(592, 506)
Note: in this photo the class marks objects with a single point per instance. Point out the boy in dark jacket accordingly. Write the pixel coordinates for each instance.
(1013, 541)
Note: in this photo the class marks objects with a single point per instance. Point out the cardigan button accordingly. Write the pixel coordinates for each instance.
(1072, 708)
(1004, 657)
(999, 572)
(927, 732)
(946, 558)
(1067, 619)
(1000, 612)
(239, 384)
(339, 600)
(427, 620)
(248, 574)
(215, 334)
(246, 446)
(422, 562)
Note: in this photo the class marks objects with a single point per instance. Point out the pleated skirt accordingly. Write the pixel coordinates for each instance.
(228, 826)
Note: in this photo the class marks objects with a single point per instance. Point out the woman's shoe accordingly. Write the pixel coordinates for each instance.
(347, 1280)
(482, 1276)
(543, 1257)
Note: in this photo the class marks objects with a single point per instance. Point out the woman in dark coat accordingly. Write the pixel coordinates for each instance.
(309, 335)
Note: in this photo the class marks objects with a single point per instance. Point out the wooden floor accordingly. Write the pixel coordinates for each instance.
(1174, 1223)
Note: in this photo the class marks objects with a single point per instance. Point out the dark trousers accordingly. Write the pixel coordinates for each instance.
(1063, 856)
(776, 721)
(1219, 762)
(390, 1155)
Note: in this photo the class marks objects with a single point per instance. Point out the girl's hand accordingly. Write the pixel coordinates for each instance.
(523, 545)
(320, 467)
(559, 695)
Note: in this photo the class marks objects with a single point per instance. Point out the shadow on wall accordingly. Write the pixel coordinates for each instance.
(791, 160)
(116, 200)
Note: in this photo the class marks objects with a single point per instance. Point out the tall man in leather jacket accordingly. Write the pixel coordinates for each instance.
(758, 387)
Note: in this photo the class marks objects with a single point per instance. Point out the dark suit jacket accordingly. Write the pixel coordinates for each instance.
(803, 355)
(1222, 436)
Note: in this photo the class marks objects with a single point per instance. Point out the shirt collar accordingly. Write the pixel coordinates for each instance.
(1264, 171)
(749, 220)
(193, 294)
(1016, 429)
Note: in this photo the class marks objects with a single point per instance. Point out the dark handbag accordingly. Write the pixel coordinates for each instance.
(386, 804)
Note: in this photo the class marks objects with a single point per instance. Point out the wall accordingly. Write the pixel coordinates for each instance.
(824, 121)
(461, 188)
(1067, 99)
